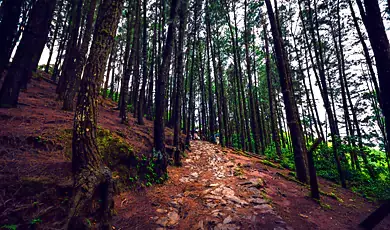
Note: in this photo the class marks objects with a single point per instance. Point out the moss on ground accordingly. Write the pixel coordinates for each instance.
(269, 163)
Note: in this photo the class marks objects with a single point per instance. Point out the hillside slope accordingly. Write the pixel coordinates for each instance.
(216, 188)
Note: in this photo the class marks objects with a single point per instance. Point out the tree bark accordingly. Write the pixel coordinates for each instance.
(87, 164)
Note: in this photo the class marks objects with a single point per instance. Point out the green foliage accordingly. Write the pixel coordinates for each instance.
(36, 221)
(287, 159)
(147, 167)
(50, 70)
(115, 95)
(326, 206)
(9, 226)
(88, 222)
(358, 181)
(236, 141)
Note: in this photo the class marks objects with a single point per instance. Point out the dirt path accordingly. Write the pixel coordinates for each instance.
(210, 193)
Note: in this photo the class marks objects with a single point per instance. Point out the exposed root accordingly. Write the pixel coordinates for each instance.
(88, 183)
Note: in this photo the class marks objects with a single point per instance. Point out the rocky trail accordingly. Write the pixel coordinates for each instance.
(218, 189)
(223, 197)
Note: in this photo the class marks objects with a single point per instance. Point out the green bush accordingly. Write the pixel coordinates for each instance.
(360, 182)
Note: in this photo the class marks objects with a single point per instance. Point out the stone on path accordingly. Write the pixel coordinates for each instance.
(212, 197)
(161, 210)
(222, 226)
(227, 191)
(170, 220)
(195, 174)
(236, 200)
(227, 220)
(264, 208)
(214, 185)
(163, 221)
(257, 201)
(173, 218)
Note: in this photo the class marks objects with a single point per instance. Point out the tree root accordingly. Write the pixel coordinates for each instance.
(88, 183)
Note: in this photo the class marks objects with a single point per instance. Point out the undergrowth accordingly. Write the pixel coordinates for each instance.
(360, 182)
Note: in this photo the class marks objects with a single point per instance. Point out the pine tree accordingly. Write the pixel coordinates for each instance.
(88, 169)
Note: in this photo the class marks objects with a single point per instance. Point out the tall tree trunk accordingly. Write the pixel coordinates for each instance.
(152, 67)
(112, 84)
(135, 59)
(373, 22)
(90, 174)
(236, 74)
(325, 93)
(8, 26)
(321, 132)
(30, 47)
(69, 64)
(241, 86)
(210, 88)
(61, 48)
(254, 123)
(109, 67)
(80, 56)
(224, 112)
(159, 124)
(271, 97)
(365, 51)
(191, 103)
(217, 93)
(257, 107)
(128, 60)
(55, 35)
(289, 101)
(180, 77)
(202, 94)
(140, 115)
